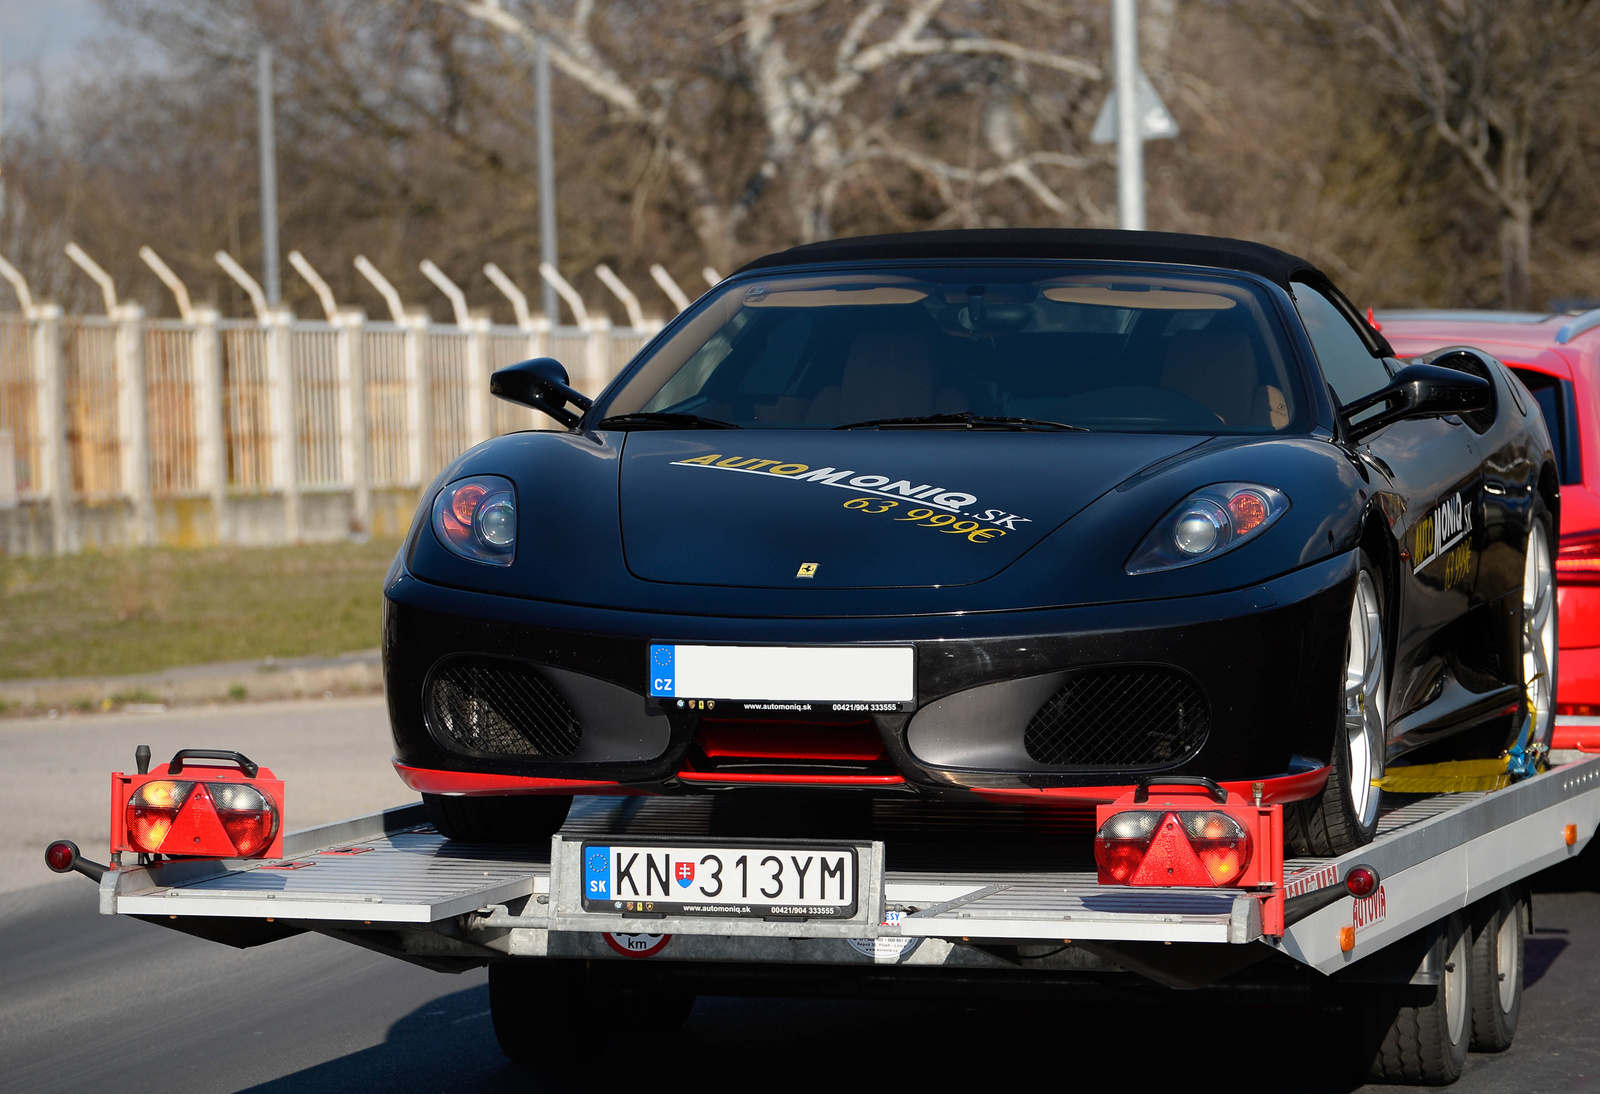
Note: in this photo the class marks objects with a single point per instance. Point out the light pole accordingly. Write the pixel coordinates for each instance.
(547, 175)
(1130, 140)
(269, 178)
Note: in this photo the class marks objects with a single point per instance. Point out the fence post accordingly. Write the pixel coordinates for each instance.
(134, 420)
(50, 389)
(419, 399)
(480, 404)
(212, 453)
(597, 356)
(541, 337)
(353, 469)
(285, 439)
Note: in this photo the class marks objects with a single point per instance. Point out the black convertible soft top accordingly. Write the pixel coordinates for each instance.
(1080, 243)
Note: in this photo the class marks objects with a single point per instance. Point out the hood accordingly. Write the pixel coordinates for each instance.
(858, 509)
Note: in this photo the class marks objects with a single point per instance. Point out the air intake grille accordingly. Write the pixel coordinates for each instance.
(489, 705)
(1138, 717)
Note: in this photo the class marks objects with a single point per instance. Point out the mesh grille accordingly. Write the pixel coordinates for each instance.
(1139, 717)
(490, 705)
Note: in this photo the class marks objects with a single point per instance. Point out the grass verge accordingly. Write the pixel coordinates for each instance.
(152, 609)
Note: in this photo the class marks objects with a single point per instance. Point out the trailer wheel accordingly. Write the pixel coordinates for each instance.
(512, 818)
(1419, 1035)
(545, 1009)
(1345, 815)
(541, 1008)
(1497, 972)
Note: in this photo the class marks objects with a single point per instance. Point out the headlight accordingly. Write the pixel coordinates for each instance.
(477, 518)
(1206, 524)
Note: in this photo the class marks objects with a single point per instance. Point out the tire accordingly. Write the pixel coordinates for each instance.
(542, 1009)
(557, 1014)
(513, 818)
(1345, 815)
(1497, 947)
(1538, 628)
(1419, 1035)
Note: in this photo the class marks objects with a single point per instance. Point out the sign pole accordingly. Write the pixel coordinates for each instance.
(1130, 141)
(547, 176)
(270, 282)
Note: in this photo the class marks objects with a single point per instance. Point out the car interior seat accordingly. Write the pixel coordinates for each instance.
(888, 373)
(1217, 369)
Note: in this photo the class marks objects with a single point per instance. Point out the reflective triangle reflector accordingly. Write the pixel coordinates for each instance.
(197, 830)
(1171, 859)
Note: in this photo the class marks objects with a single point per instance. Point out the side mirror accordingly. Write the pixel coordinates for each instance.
(1419, 391)
(542, 384)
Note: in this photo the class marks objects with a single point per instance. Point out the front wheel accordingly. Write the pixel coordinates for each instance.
(1345, 815)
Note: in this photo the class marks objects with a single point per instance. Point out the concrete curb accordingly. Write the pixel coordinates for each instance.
(357, 673)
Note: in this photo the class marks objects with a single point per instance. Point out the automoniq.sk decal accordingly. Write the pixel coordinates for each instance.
(959, 504)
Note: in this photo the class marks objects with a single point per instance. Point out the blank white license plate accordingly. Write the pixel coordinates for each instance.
(854, 677)
(799, 880)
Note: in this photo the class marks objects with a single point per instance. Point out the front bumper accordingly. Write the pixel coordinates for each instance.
(1267, 660)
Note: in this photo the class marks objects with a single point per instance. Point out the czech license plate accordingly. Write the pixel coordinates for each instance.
(784, 679)
(805, 881)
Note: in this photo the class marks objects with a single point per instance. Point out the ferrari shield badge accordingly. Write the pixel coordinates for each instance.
(807, 569)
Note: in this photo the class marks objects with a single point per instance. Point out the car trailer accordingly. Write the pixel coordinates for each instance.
(1428, 919)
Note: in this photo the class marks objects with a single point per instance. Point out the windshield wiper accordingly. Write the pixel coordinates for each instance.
(964, 420)
(664, 419)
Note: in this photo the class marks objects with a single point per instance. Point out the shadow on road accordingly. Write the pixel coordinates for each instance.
(448, 1045)
(445, 1044)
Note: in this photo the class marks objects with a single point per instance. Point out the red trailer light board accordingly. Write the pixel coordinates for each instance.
(199, 810)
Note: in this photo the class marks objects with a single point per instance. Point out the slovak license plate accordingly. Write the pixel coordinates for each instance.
(800, 880)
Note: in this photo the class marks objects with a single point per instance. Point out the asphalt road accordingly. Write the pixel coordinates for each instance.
(332, 754)
(91, 1002)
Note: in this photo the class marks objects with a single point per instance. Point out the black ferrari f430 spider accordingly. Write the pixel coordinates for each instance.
(1009, 516)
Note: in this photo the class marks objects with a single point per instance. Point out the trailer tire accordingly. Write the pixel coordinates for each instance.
(511, 818)
(1344, 815)
(1497, 950)
(547, 1009)
(1418, 1035)
(542, 1007)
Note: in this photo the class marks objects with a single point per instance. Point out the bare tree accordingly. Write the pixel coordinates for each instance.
(830, 82)
(1492, 80)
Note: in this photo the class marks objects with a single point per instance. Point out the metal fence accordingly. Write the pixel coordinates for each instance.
(140, 412)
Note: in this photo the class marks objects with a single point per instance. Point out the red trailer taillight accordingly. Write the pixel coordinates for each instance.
(209, 812)
(1578, 559)
(1190, 837)
(1179, 847)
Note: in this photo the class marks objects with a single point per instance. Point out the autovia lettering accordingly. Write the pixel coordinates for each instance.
(1369, 911)
(931, 494)
(1440, 530)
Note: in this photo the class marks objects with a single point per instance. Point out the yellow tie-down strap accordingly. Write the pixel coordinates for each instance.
(1446, 778)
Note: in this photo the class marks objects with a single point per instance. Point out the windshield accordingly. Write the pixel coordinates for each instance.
(1116, 348)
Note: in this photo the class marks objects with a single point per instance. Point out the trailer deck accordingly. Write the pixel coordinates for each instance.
(960, 876)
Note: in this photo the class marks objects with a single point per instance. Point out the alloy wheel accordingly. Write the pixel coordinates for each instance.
(1364, 700)
(1538, 633)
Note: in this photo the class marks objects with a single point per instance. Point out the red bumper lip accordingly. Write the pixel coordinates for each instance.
(695, 778)
(426, 780)
(1284, 788)
(1274, 791)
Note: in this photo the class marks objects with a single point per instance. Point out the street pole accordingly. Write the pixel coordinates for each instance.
(269, 178)
(1130, 141)
(2, 168)
(547, 176)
